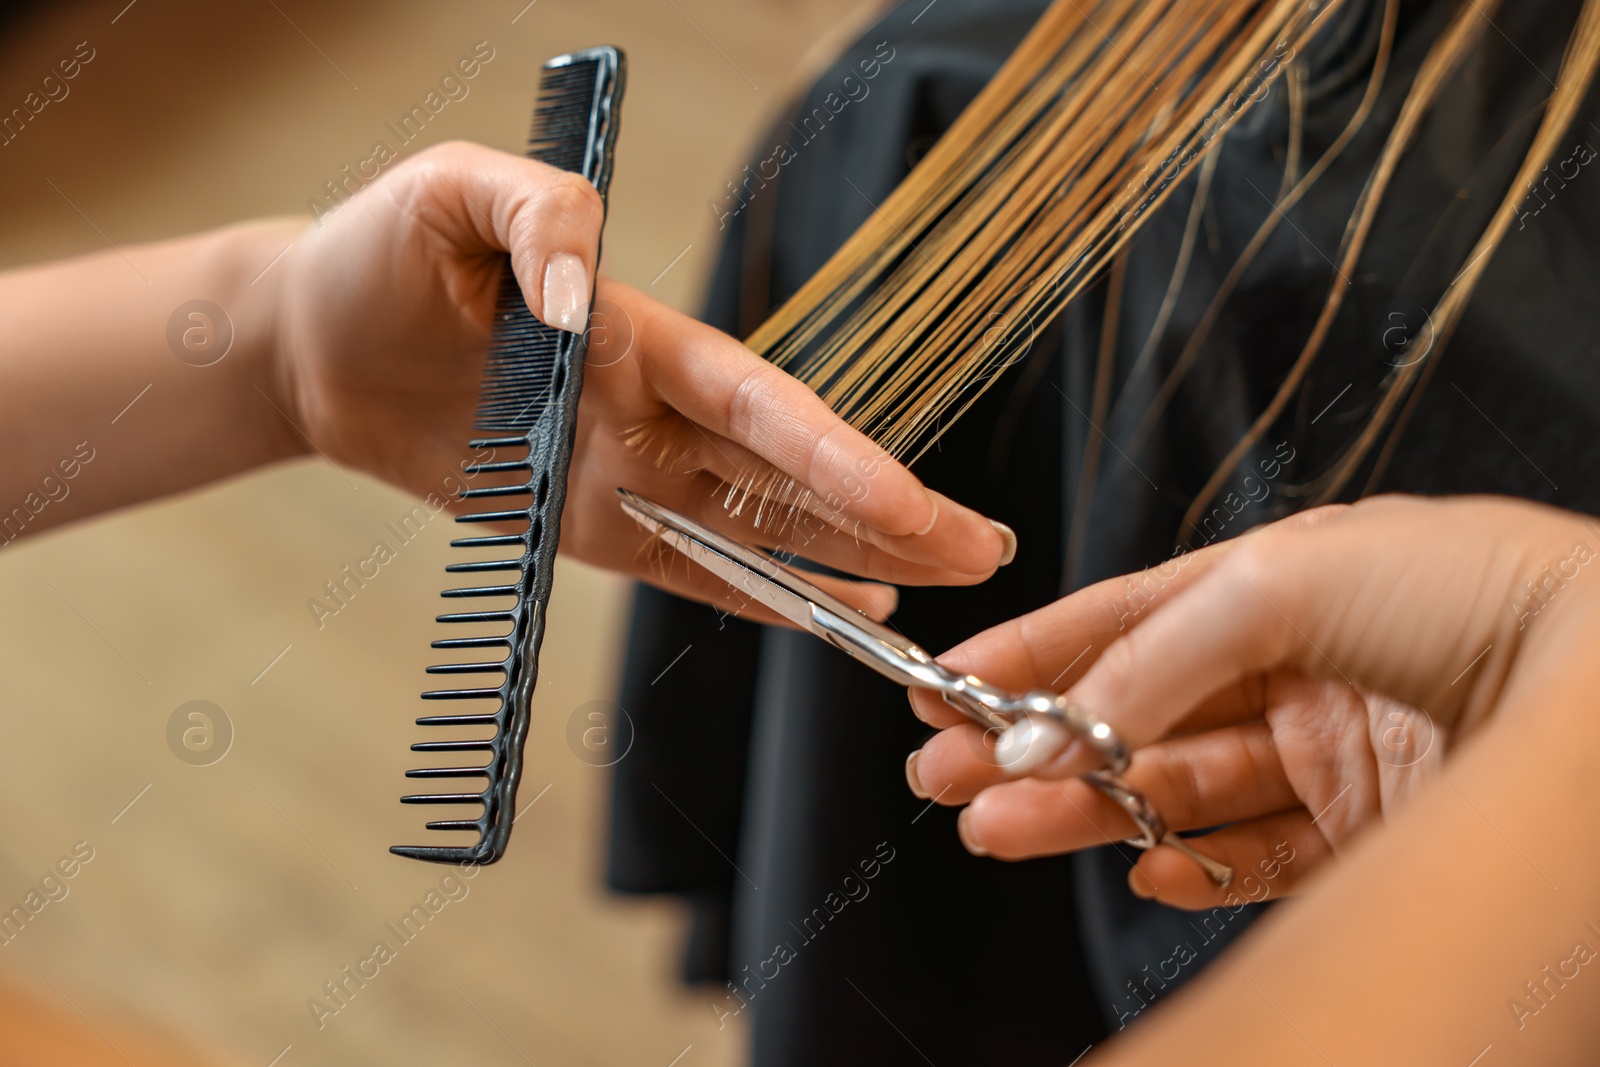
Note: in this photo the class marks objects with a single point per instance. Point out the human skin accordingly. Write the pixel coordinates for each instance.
(363, 339)
(1251, 682)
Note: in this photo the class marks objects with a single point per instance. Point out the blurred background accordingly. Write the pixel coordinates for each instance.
(223, 893)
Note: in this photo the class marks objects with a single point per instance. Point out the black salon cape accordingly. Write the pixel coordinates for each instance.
(765, 782)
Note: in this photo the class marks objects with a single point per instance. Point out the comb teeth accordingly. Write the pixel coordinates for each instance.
(481, 590)
(498, 748)
(499, 465)
(574, 129)
(449, 772)
(494, 516)
(467, 668)
(494, 490)
(476, 616)
(490, 641)
(484, 565)
(490, 541)
(459, 720)
(531, 378)
(450, 746)
(444, 798)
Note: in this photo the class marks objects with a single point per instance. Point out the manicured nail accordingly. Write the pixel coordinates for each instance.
(911, 776)
(1029, 743)
(566, 292)
(964, 831)
(1139, 885)
(1009, 536)
(932, 518)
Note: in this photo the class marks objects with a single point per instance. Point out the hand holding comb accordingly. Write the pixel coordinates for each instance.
(533, 376)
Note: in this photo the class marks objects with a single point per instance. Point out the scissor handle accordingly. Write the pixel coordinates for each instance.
(998, 708)
(993, 708)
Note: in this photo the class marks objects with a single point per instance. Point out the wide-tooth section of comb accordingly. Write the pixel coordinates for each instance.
(528, 407)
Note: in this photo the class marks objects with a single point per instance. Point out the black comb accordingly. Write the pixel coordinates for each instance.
(532, 377)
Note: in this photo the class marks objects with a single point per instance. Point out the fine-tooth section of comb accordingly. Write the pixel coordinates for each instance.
(531, 382)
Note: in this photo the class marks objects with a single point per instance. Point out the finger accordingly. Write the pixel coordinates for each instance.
(1056, 645)
(548, 219)
(1324, 737)
(1271, 858)
(1195, 782)
(1225, 626)
(719, 384)
(1051, 647)
(962, 759)
(786, 516)
(702, 499)
(1318, 749)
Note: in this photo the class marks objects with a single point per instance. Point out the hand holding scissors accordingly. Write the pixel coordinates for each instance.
(1050, 719)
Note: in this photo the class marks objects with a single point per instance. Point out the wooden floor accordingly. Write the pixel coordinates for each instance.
(220, 899)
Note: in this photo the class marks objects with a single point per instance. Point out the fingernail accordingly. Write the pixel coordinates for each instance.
(964, 831)
(566, 292)
(1139, 885)
(911, 776)
(1028, 744)
(932, 518)
(1009, 536)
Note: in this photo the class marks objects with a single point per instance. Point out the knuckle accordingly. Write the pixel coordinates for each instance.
(749, 402)
(1257, 562)
(1121, 658)
(570, 196)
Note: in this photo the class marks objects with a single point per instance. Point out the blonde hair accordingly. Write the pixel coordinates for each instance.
(1035, 191)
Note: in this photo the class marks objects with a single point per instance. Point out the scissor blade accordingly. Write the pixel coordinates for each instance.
(748, 572)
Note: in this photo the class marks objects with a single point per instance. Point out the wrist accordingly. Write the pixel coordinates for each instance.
(265, 250)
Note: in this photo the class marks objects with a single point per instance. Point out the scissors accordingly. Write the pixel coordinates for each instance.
(768, 582)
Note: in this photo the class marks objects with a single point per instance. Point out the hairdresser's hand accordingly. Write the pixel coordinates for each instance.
(385, 318)
(1272, 683)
